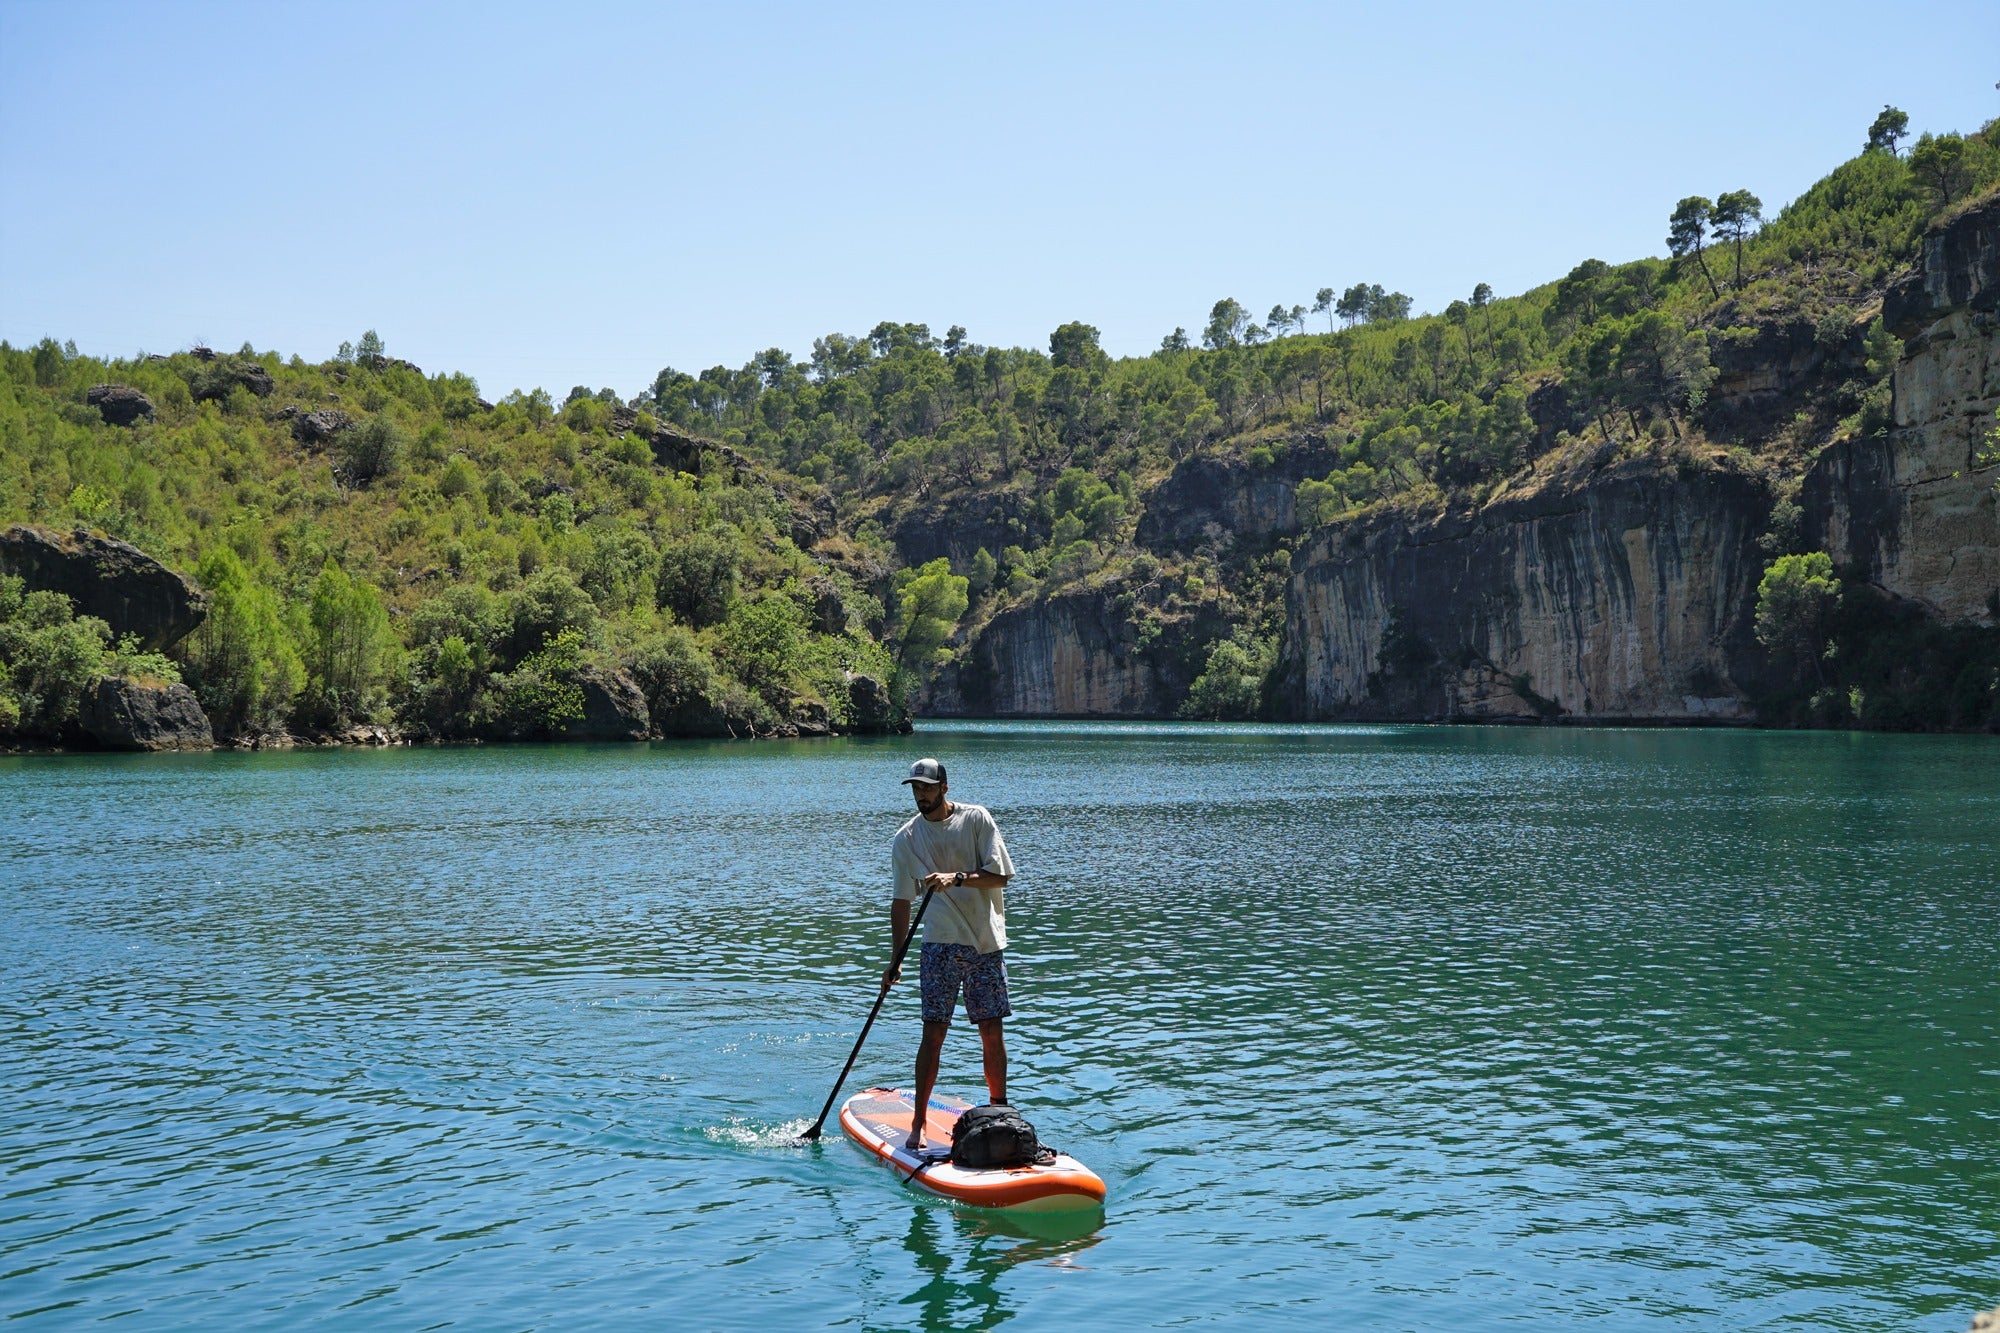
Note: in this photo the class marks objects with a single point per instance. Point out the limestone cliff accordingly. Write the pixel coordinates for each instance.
(1205, 498)
(1908, 510)
(1620, 595)
(1106, 651)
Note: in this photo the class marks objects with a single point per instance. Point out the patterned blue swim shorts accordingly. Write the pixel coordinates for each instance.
(984, 976)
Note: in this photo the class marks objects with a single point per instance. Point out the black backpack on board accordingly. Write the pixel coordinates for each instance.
(995, 1136)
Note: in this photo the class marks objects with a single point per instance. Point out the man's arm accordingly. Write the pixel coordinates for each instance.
(974, 879)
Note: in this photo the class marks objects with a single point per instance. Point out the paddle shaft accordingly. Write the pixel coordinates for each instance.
(902, 949)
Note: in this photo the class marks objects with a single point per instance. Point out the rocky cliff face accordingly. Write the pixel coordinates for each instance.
(1205, 497)
(1908, 510)
(1624, 595)
(957, 526)
(1080, 653)
(1614, 593)
(112, 580)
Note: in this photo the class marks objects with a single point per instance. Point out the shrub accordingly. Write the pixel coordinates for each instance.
(698, 576)
(1794, 599)
(372, 450)
(545, 607)
(458, 478)
(1232, 683)
(761, 640)
(48, 655)
(675, 672)
(541, 695)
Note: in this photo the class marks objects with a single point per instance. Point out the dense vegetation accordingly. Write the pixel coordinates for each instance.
(383, 544)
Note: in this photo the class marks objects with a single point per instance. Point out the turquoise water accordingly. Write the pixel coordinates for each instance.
(1377, 1028)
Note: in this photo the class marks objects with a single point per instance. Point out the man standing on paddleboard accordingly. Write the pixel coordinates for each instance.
(955, 851)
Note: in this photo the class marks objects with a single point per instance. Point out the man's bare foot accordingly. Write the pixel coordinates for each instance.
(915, 1142)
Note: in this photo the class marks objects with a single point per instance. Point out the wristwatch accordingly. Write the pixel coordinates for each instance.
(958, 879)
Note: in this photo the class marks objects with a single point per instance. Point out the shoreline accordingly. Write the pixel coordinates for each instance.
(382, 738)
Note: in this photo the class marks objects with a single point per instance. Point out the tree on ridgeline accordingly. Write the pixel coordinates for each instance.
(1353, 305)
(1386, 307)
(1323, 304)
(1482, 301)
(1737, 214)
(1888, 129)
(1577, 296)
(1074, 346)
(1227, 323)
(1687, 229)
(1940, 161)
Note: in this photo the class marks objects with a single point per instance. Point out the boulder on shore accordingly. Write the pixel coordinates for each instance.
(614, 708)
(810, 717)
(119, 404)
(871, 706)
(103, 577)
(124, 714)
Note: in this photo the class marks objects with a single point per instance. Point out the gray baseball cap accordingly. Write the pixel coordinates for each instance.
(925, 770)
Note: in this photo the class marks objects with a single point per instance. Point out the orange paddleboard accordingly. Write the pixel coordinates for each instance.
(879, 1120)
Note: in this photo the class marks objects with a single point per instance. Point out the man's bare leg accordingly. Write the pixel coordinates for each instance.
(993, 1043)
(927, 1069)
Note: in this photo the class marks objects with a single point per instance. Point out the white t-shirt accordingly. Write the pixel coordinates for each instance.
(968, 840)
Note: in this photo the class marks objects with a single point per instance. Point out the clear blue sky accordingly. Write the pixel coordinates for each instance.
(543, 194)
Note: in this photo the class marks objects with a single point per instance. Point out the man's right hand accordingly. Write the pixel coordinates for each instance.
(890, 976)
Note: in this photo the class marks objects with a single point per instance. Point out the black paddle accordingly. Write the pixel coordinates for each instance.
(855, 1054)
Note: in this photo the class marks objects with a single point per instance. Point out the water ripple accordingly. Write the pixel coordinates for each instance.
(1386, 1027)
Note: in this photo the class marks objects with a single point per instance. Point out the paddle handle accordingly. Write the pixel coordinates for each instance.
(902, 948)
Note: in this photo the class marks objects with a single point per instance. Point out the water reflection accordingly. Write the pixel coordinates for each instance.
(963, 1253)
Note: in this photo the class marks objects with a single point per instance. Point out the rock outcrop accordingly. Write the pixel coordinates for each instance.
(1908, 510)
(1623, 595)
(316, 430)
(112, 580)
(1206, 498)
(829, 608)
(122, 714)
(220, 375)
(958, 525)
(119, 404)
(614, 708)
(1766, 375)
(870, 704)
(1079, 653)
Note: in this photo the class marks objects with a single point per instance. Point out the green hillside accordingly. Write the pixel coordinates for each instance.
(381, 544)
